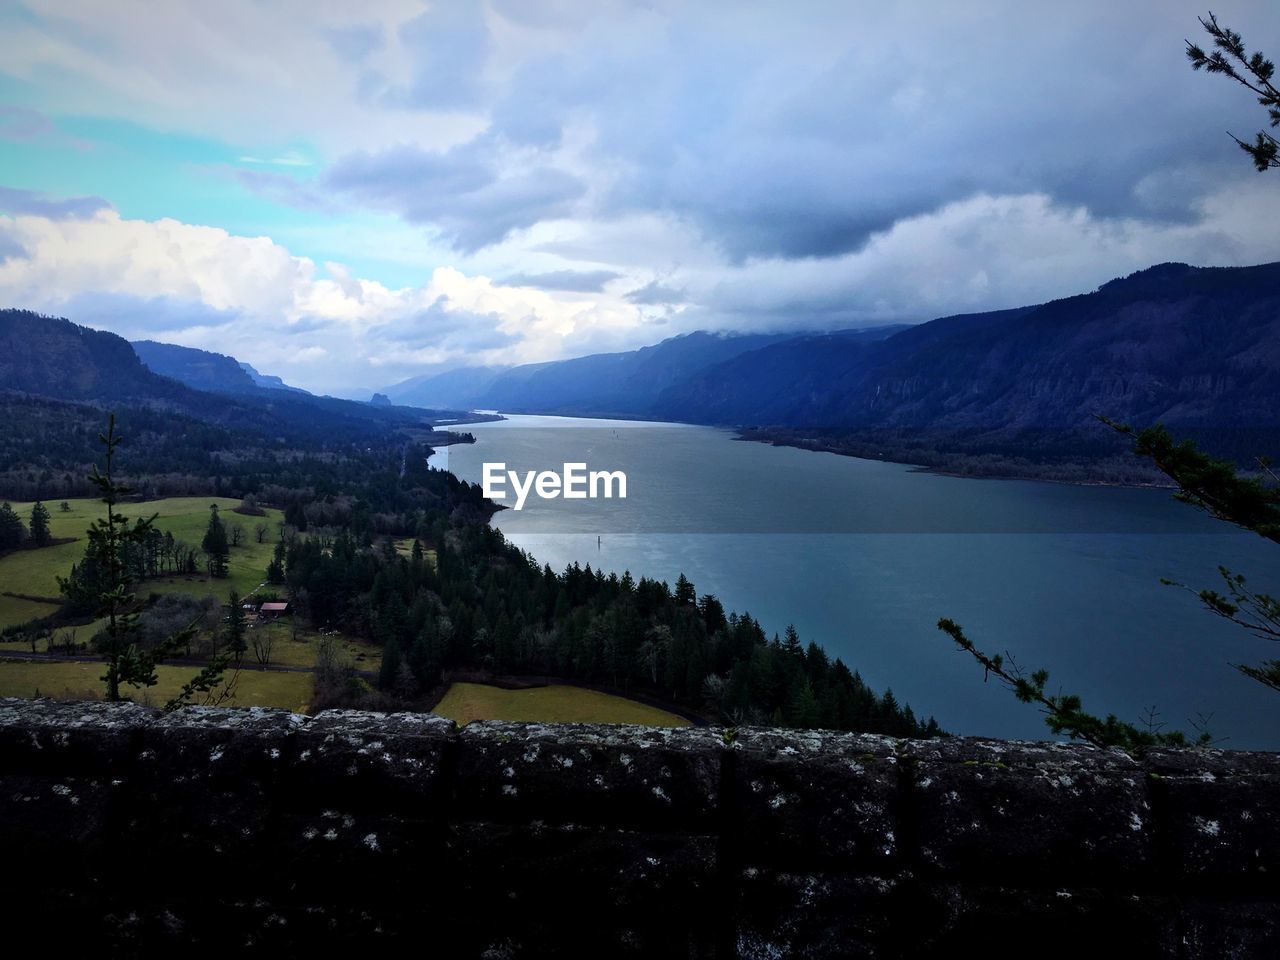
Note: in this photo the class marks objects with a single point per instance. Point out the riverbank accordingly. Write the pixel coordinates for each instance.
(929, 453)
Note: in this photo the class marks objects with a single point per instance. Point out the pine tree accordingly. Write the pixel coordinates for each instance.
(40, 524)
(1254, 72)
(110, 539)
(389, 672)
(12, 531)
(791, 643)
(215, 545)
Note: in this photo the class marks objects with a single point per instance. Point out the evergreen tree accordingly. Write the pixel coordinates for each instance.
(110, 538)
(791, 641)
(12, 531)
(389, 672)
(40, 524)
(1254, 72)
(215, 544)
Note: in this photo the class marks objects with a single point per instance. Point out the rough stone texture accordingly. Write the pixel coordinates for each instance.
(1052, 812)
(129, 832)
(1221, 815)
(657, 777)
(806, 798)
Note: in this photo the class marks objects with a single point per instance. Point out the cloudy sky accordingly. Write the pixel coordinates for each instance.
(349, 194)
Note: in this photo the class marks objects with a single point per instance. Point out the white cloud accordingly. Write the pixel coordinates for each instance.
(250, 297)
(330, 330)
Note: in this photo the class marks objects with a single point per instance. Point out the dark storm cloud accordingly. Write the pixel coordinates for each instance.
(574, 281)
(464, 192)
(799, 134)
(36, 204)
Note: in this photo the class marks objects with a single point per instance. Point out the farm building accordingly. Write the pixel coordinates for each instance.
(271, 611)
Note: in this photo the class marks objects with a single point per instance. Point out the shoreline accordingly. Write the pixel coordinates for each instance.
(768, 437)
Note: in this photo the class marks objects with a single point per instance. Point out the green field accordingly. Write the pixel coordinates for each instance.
(288, 652)
(16, 610)
(404, 547)
(79, 680)
(465, 702)
(35, 572)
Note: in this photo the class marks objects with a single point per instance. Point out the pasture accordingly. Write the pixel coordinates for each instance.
(556, 703)
(81, 680)
(34, 573)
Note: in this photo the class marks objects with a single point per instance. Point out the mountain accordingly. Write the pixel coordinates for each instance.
(55, 357)
(268, 382)
(619, 384)
(51, 357)
(205, 370)
(459, 387)
(200, 369)
(1173, 343)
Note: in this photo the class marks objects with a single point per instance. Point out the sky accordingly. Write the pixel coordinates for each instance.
(347, 195)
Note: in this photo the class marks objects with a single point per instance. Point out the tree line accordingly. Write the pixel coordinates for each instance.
(484, 604)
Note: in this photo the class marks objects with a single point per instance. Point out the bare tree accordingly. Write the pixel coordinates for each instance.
(261, 531)
(67, 641)
(264, 639)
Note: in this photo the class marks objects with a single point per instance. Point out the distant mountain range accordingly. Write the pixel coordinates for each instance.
(1195, 348)
(51, 357)
(1173, 343)
(629, 384)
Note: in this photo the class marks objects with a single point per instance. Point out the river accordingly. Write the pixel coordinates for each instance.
(864, 557)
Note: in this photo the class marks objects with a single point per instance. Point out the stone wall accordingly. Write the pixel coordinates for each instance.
(129, 831)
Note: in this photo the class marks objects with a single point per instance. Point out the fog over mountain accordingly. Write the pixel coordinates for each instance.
(1172, 343)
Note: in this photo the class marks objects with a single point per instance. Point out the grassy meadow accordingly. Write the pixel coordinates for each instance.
(556, 703)
(81, 680)
(34, 573)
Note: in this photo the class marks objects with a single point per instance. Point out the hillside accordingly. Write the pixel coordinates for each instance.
(1173, 343)
(54, 357)
(56, 360)
(622, 384)
(268, 381)
(196, 368)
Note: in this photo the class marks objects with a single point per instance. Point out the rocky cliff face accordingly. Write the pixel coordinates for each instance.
(261, 830)
(199, 369)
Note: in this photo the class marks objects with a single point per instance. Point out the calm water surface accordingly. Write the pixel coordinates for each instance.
(864, 557)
